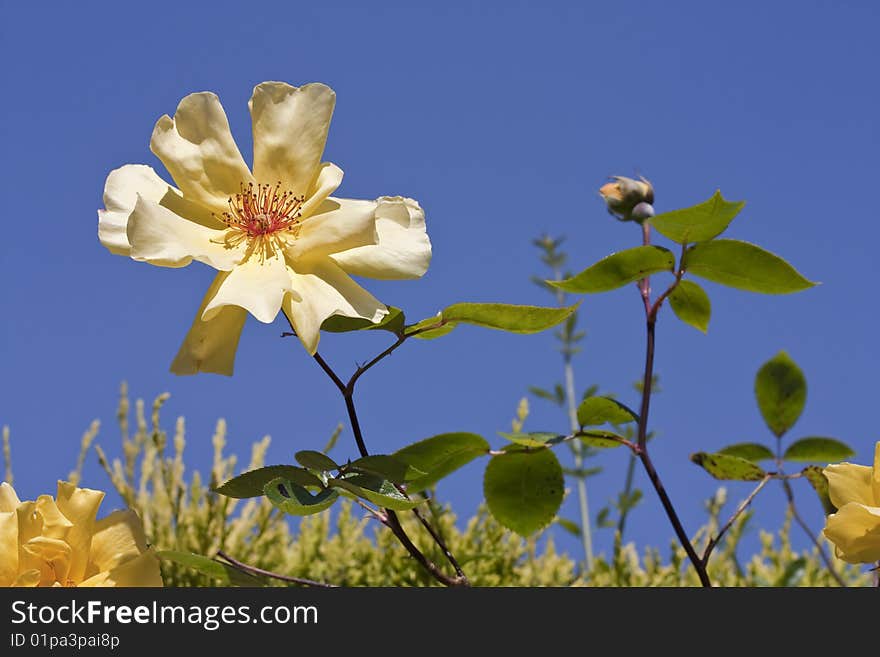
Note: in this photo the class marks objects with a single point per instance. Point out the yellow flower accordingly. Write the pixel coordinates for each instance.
(277, 237)
(855, 528)
(59, 542)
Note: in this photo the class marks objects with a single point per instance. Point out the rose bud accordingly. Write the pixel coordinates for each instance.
(624, 194)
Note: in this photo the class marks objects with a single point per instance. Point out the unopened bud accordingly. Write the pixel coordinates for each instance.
(623, 195)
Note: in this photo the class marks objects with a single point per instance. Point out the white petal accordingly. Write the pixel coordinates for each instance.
(290, 129)
(324, 291)
(340, 224)
(161, 237)
(199, 152)
(403, 249)
(210, 345)
(255, 285)
(329, 178)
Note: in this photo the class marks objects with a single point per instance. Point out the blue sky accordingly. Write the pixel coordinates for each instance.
(502, 119)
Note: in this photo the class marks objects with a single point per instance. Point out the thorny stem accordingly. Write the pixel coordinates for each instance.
(390, 518)
(642, 449)
(714, 541)
(253, 570)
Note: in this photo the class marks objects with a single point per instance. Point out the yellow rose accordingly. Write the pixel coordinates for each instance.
(59, 542)
(855, 528)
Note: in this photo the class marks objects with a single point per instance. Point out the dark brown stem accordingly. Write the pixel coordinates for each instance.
(642, 447)
(253, 570)
(713, 542)
(391, 519)
(438, 539)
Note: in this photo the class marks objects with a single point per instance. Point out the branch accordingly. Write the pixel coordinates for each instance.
(739, 510)
(253, 570)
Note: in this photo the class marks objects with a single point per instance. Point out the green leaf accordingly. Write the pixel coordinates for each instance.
(227, 575)
(781, 391)
(569, 525)
(309, 458)
(524, 489)
(700, 222)
(691, 304)
(440, 456)
(728, 468)
(618, 269)
(533, 438)
(594, 411)
(250, 484)
(749, 451)
(499, 316)
(331, 443)
(600, 439)
(817, 479)
(392, 322)
(816, 448)
(377, 490)
(792, 573)
(292, 498)
(744, 266)
(387, 467)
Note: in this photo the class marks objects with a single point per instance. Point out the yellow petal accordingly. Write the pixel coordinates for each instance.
(855, 531)
(30, 526)
(875, 479)
(80, 506)
(143, 570)
(255, 285)
(199, 152)
(8, 499)
(290, 129)
(8, 547)
(848, 482)
(118, 538)
(339, 225)
(163, 238)
(402, 250)
(210, 345)
(53, 558)
(55, 524)
(121, 192)
(323, 291)
(28, 578)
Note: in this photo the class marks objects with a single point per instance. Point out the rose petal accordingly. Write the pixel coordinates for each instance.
(855, 531)
(257, 285)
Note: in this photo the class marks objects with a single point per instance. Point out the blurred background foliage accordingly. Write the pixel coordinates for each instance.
(180, 513)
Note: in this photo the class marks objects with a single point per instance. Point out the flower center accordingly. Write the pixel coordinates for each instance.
(264, 216)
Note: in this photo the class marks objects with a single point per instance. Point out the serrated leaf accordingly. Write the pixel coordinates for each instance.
(781, 392)
(533, 438)
(817, 479)
(392, 322)
(569, 525)
(524, 490)
(618, 269)
(594, 411)
(749, 451)
(440, 456)
(700, 222)
(498, 316)
(309, 458)
(250, 484)
(387, 467)
(728, 468)
(295, 500)
(744, 266)
(377, 490)
(226, 575)
(691, 304)
(600, 439)
(816, 448)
